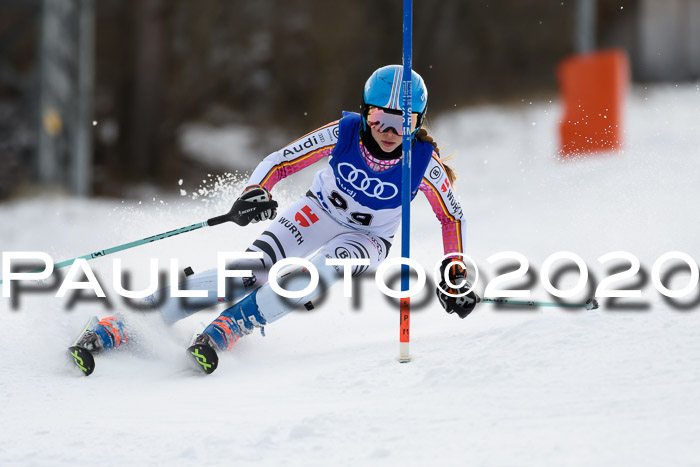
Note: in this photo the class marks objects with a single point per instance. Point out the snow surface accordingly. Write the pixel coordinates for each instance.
(516, 386)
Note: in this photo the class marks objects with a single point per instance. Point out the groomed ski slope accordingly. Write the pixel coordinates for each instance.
(503, 387)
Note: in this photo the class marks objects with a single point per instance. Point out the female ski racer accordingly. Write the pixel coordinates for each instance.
(352, 210)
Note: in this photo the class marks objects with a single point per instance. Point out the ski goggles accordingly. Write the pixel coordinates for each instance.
(383, 121)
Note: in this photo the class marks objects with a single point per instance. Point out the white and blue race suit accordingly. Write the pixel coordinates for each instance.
(358, 197)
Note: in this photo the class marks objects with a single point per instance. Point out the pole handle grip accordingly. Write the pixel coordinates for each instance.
(243, 214)
(219, 219)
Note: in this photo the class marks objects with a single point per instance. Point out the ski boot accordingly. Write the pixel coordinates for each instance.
(98, 335)
(235, 322)
(221, 334)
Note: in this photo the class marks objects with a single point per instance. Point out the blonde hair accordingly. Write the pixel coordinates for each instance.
(425, 136)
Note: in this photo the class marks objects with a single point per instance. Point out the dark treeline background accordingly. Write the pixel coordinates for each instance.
(284, 67)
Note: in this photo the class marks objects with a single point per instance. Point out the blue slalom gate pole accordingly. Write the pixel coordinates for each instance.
(405, 337)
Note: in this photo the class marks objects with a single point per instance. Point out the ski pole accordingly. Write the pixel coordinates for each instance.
(228, 217)
(591, 303)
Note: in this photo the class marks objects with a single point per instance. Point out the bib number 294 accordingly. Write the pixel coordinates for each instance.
(361, 218)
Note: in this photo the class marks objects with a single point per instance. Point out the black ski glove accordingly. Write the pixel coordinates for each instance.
(457, 277)
(254, 205)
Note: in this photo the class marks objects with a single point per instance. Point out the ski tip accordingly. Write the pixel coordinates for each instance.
(204, 357)
(83, 359)
(592, 304)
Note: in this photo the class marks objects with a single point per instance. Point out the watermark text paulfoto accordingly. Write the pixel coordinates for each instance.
(550, 269)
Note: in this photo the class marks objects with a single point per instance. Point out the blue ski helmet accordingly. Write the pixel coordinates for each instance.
(383, 89)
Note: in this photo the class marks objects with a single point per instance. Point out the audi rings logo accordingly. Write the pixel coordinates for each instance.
(372, 187)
